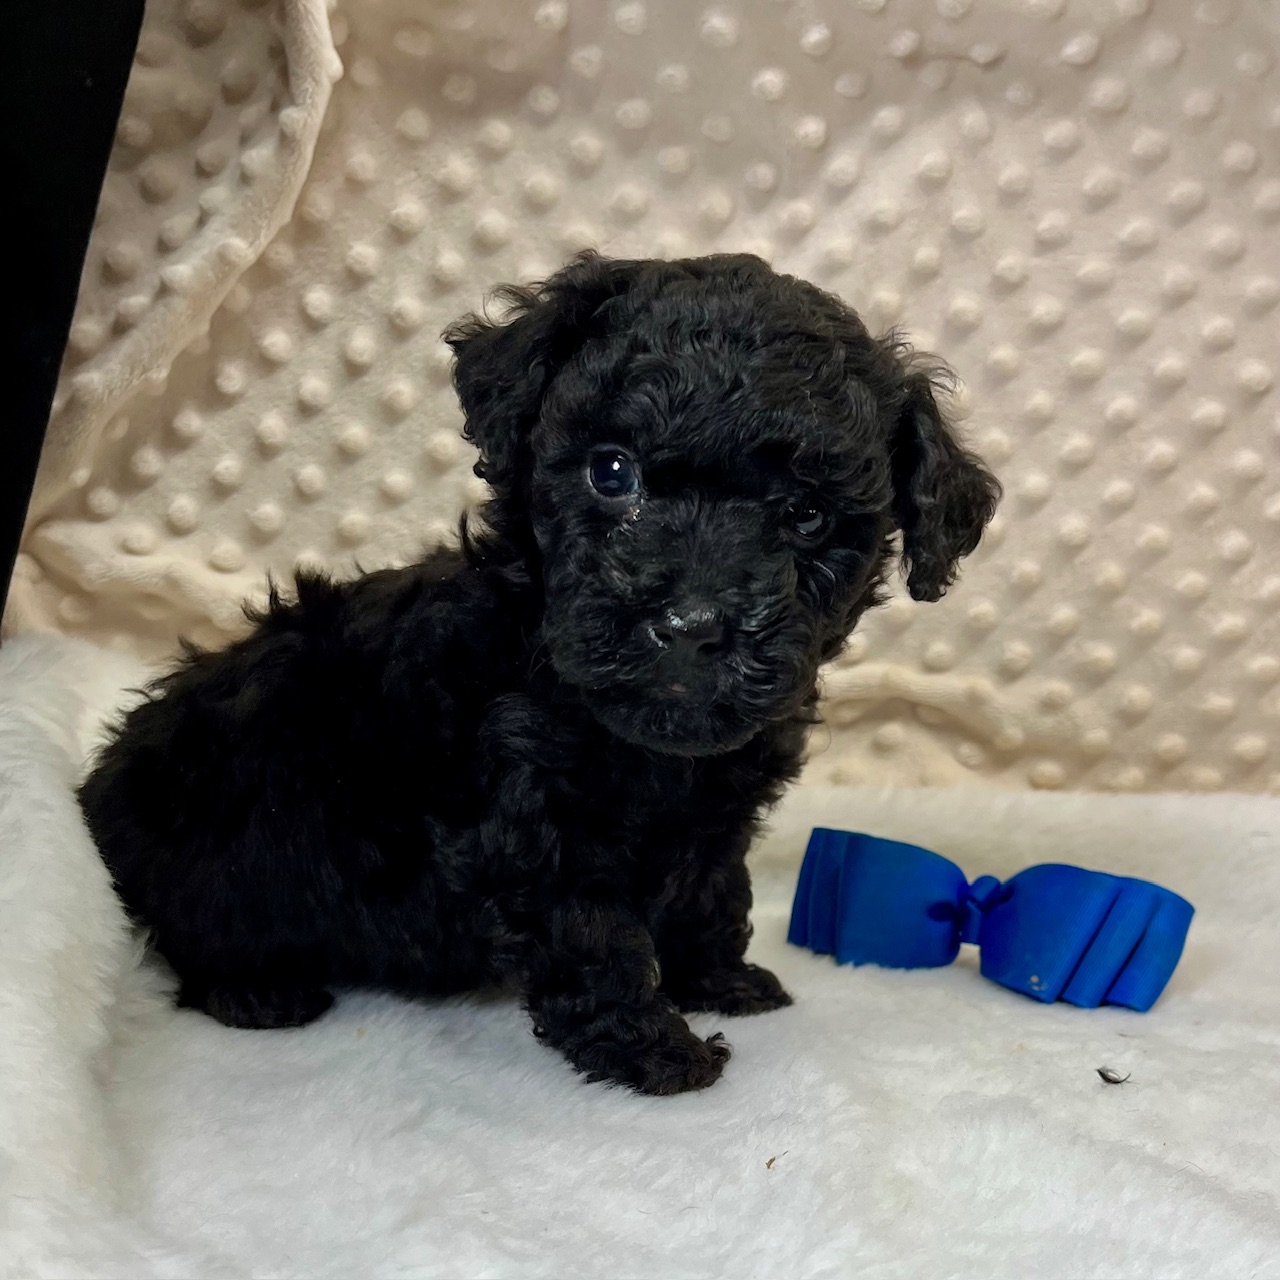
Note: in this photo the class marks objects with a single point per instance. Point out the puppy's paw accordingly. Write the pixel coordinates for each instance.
(674, 1060)
(736, 991)
(259, 1007)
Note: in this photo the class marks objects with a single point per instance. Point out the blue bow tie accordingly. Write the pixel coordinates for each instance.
(1052, 932)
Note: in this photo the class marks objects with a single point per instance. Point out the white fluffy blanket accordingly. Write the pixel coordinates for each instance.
(890, 1124)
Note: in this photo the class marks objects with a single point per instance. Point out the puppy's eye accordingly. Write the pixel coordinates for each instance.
(807, 519)
(613, 474)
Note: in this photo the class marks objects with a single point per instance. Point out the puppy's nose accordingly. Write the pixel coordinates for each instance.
(698, 631)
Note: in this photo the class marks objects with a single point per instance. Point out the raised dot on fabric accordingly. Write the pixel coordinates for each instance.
(318, 305)
(353, 440)
(1169, 371)
(926, 262)
(674, 77)
(413, 125)
(1110, 579)
(769, 84)
(1047, 775)
(1063, 621)
(1003, 361)
(1254, 377)
(1047, 314)
(139, 539)
(675, 163)
(1264, 669)
(634, 114)
(796, 217)
(939, 656)
(1055, 695)
(1026, 575)
(588, 62)
(1053, 229)
(1202, 500)
(1119, 495)
(1135, 324)
(1146, 624)
(448, 268)
(552, 15)
(1150, 147)
(407, 217)
(1155, 539)
(314, 392)
(1086, 365)
(842, 172)
(398, 397)
(1136, 701)
(396, 486)
(964, 312)
(1250, 749)
(1061, 138)
(1220, 707)
(310, 480)
(227, 556)
(983, 616)
(1108, 95)
(934, 169)
(1162, 50)
(586, 151)
(354, 527)
(271, 431)
(1081, 49)
(1201, 104)
(1100, 187)
(492, 230)
(762, 176)
(1192, 586)
(1230, 628)
(1161, 457)
(228, 472)
(267, 519)
(1261, 294)
(362, 260)
(231, 378)
(1011, 271)
(182, 514)
(1095, 275)
(816, 39)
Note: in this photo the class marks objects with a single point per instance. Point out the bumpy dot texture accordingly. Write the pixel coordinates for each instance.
(1078, 204)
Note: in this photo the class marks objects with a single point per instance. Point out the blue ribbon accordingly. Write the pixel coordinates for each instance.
(1053, 932)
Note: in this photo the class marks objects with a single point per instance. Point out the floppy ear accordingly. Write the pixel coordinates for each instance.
(504, 367)
(943, 495)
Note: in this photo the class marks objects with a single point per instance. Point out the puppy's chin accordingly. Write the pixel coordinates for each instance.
(672, 726)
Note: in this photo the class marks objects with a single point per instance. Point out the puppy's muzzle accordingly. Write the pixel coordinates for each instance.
(690, 634)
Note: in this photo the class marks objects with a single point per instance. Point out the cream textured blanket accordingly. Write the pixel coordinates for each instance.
(1076, 201)
(889, 1125)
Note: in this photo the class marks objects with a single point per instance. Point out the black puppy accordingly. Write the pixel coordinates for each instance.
(542, 757)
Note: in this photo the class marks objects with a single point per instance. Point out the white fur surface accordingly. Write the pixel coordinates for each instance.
(889, 1125)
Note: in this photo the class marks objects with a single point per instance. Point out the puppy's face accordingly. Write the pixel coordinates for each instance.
(710, 474)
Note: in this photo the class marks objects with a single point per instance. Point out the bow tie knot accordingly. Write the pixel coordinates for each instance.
(1053, 932)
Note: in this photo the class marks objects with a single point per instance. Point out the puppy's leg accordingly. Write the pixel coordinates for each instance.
(702, 938)
(256, 1004)
(593, 994)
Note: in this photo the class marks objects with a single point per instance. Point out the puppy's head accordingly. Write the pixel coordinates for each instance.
(708, 461)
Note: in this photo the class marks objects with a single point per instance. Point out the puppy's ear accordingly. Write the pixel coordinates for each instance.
(503, 367)
(943, 495)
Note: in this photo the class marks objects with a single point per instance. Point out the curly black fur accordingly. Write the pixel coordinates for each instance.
(542, 757)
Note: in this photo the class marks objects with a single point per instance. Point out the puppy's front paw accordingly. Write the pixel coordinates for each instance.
(669, 1059)
(736, 990)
